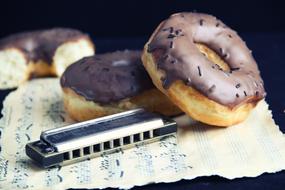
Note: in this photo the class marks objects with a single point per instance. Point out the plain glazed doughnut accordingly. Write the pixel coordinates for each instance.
(40, 53)
(110, 83)
(204, 68)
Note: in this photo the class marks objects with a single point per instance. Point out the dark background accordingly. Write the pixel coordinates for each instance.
(128, 24)
(137, 17)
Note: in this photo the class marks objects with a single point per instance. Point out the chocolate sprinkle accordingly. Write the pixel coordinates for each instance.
(201, 22)
(188, 81)
(171, 36)
(225, 56)
(212, 88)
(170, 29)
(177, 32)
(238, 85)
(235, 69)
(218, 24)
(237, 95)
(171, 44)
(199, 71)
(245, 93)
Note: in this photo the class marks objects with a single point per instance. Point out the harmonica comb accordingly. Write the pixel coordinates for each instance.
(89, 139)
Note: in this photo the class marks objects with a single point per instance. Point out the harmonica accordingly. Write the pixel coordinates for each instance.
(89, 139)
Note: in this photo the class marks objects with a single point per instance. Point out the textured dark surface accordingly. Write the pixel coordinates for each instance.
(121, 71)
(268, 49)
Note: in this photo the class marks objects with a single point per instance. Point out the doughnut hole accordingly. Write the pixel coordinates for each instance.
(70, 52)
(39, 68)
(14, 69)
(213, 56)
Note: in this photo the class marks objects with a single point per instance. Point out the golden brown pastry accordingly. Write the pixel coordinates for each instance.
(40, 53)
(204, 68)
(110, 83)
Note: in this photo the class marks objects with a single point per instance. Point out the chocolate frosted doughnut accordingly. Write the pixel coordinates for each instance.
(202, 55)
(41, 53)
(110, 83)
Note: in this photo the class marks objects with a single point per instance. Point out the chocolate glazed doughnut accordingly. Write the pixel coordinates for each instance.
(204, 68)
(40, 53)
(110, 83)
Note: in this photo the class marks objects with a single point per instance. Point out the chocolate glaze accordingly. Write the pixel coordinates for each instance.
(41, 44)
(174, 50)
(107, 77)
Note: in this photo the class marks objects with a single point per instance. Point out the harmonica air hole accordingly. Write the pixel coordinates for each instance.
(146, 135)
(107, 145)
(116, 143)
(127, 140)
(156, 132)
(66, 156)
(96, 148)
(137, 137)
(76, 153)
(86, 150)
